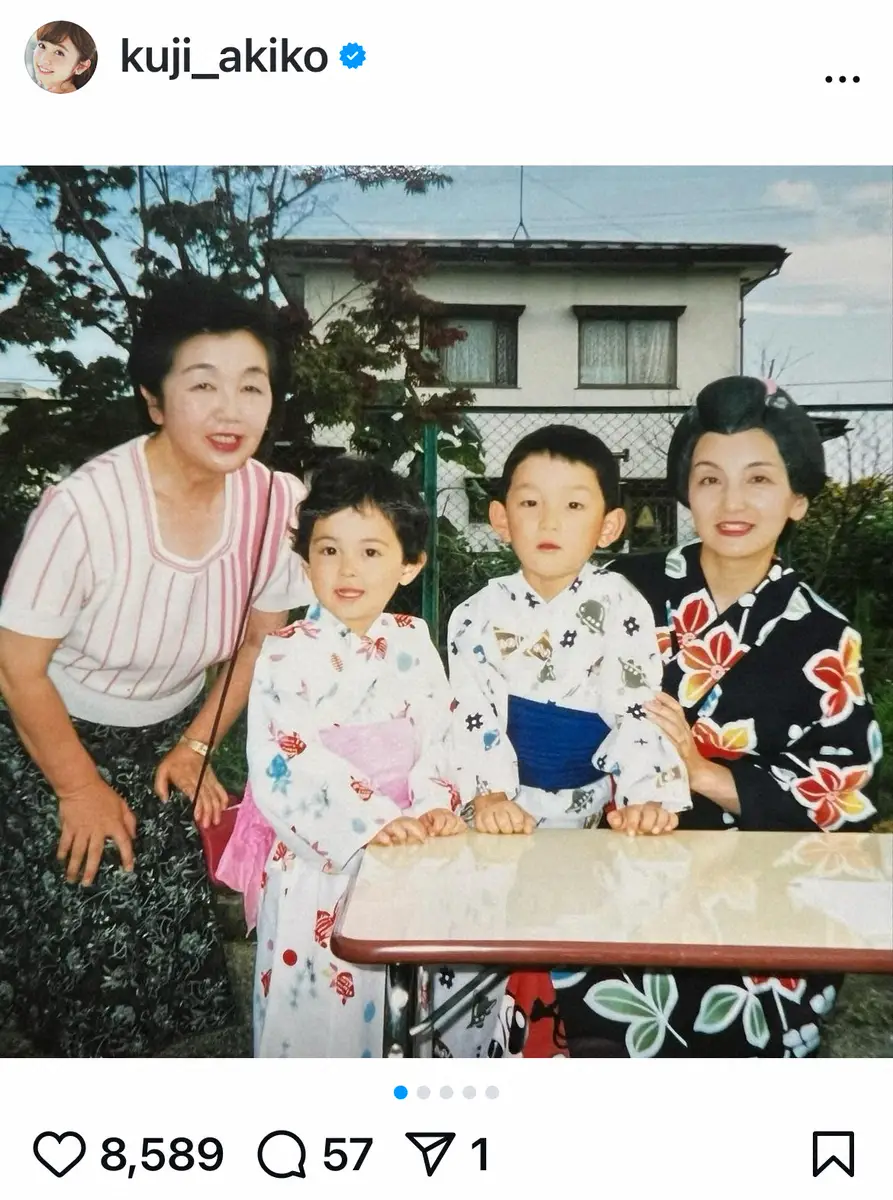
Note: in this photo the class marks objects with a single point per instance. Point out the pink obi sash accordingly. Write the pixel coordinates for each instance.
(384, 752)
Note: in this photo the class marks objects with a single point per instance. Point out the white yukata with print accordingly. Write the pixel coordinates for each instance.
(591, 649)
(568, 678)
(338, 726)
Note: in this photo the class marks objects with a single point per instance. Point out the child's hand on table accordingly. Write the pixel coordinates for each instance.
(495, 813)
(399, 832)
(442, 822)
(642, 818)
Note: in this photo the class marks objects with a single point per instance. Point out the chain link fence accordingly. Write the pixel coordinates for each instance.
(858, 443)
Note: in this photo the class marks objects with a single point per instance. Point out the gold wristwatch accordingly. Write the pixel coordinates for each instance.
(201, 748)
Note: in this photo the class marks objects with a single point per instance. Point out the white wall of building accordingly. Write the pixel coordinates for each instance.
(708, 330)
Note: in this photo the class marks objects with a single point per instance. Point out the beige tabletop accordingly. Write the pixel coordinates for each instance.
(765, 901)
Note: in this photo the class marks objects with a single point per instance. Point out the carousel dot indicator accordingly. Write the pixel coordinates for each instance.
(423, 1093)
(401, 1092)
(445, 1093)
(491, 1092)
(469, 1093)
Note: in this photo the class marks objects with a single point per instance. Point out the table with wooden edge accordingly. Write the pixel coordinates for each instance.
(762, 903)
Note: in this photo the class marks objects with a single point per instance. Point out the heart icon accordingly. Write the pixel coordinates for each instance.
(51, 1150)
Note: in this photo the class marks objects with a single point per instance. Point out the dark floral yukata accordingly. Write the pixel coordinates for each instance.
(773, 690)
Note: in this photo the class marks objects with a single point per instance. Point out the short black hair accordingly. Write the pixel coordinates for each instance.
(574, 446)
(348, 482)
(739, 403)
(186, 306)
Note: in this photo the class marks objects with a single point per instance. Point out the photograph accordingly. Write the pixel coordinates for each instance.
(61, 57)
(445, 609)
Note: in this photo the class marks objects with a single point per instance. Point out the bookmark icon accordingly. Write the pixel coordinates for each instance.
(433, 1147)
(837, 1147)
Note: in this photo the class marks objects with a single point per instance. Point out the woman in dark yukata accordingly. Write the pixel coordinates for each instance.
(764, 698)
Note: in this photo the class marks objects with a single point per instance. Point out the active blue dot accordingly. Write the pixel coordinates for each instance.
(400, 1092)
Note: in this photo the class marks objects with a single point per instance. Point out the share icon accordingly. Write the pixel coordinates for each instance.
(433, 1147)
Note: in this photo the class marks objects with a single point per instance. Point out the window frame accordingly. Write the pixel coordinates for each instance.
(627, 313)
(509, 314)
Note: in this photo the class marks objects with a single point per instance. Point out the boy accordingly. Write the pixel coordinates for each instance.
(551, 667)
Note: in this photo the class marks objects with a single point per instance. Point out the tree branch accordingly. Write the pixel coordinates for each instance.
(116, 339)
(129, 300)
(273, 201)
(335, 303)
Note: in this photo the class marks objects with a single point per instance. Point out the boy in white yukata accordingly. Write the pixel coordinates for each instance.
(551, 669)
(347, 728)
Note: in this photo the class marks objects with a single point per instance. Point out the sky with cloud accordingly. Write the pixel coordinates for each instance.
(828, 315)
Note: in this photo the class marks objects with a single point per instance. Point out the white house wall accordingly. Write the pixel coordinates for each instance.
(708, 333)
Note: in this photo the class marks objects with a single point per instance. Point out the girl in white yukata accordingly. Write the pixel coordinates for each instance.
(551, 669)
(347, 726)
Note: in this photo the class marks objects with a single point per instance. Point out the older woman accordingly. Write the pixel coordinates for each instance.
(131, 581)
(763, 697)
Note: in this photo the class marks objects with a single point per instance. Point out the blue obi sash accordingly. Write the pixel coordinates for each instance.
(554, 744)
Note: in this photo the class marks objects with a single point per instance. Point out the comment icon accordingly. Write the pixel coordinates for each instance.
(281, 1154)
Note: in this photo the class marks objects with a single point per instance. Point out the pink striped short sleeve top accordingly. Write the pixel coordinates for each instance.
(139, 625)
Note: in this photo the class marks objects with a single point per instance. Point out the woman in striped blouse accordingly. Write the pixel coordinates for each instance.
(131, 581)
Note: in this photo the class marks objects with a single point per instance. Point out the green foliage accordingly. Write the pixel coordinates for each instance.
(842, 546)
(230, 764)
(462, 571)
(339, 377)
(882, 695)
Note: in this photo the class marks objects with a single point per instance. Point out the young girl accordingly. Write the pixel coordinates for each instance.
(347, 723)
(64, 57)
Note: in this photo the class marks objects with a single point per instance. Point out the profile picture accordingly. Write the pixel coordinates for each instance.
(61, 57)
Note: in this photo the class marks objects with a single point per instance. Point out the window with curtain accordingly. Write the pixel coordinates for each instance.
(487, 356)
(627, 347)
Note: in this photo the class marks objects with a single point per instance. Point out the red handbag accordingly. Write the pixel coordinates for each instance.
(216, 837)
